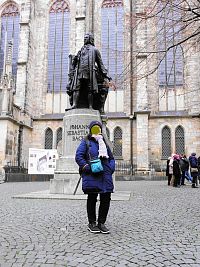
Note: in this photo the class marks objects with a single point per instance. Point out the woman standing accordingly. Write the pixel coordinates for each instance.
(94, 183)
(176, 170)
(169, 169)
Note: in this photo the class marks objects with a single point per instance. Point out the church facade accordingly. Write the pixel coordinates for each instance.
(155, 109)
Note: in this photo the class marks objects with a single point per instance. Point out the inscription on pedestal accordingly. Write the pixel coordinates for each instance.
(77, 131)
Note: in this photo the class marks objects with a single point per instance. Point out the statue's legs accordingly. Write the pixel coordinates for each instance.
(76, 95)
(90, 100)
(102, 98)
(102, 102)
(75, 99)
(90, 96)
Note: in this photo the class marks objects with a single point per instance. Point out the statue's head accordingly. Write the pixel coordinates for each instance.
(89, 38)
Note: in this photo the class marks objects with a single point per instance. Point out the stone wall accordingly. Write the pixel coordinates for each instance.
(10, 140)
(3, 129)
(191, 128)
(124, 124)
(38, 135)
(32, 96)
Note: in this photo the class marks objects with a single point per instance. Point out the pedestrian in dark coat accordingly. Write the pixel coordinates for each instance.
(198, 162)
(194, 169)
(176, 171)
(93, 147)
(184, 164)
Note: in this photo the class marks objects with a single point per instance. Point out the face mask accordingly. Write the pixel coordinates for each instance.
(95, 129)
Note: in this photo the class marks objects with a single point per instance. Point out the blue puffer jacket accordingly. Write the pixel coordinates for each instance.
(101, 182)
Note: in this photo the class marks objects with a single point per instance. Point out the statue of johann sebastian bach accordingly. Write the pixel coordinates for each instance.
(88, 81)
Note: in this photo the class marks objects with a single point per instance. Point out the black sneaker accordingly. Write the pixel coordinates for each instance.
(93, 228)
(194, 186)
(103, 229)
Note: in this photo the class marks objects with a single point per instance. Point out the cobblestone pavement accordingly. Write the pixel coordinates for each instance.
(159, 226)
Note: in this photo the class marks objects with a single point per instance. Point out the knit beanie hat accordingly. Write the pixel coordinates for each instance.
(95, 123)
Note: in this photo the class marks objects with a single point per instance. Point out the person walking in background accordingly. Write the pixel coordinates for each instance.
(176, 170)
(94, 147)
(184, 165)
(169, 170)
(194, 169)
(187, 169)
(198, 162)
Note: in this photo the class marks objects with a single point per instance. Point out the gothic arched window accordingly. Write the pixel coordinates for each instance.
(48, 139)
(179, 140)
(117, 149)
(58, 46)
(112, 28)
(170, 71)
(166, 142)
(9, 33)
(108, 133)
(58, 136)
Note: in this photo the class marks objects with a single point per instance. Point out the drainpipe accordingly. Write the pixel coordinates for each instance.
(92, 2)
(131, 85)
(19, 147)
(26, 85)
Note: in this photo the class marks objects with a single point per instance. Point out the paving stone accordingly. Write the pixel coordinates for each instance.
(152, 229)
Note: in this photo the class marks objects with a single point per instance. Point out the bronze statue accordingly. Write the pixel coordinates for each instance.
(88, 80)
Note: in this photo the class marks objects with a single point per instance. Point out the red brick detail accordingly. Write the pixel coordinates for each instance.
(59, 6)
(112, 3)
(10, 10)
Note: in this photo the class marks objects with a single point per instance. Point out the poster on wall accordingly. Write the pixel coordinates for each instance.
(42, 161)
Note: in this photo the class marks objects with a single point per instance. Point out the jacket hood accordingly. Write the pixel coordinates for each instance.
(95, 123)
(176, 156)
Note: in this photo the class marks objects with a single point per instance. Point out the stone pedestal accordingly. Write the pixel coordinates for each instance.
(75, 128)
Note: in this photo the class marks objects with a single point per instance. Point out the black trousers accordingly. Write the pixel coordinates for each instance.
(177, 180)
(103, 207)
(169, 178)
(183, 178)
(194, 178)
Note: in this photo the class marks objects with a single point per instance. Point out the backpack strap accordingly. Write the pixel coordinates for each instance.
(88, 146)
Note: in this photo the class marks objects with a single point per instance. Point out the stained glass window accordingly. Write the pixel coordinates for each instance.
(48, 139)
(58, 46)
(166, 142)
(9, 32)
(170, 72)
(179, 140)
(117, 149)
(112, 28)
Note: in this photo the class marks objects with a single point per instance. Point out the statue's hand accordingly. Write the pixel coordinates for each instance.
(108, 77)
(112, 85)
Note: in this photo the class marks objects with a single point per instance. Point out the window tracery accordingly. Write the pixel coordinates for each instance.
(10, 17)
(166, 142)
(59, 6)
(48, 144)
(58, 46)
(112, 28)
(179, 140)
(112, 3)
(117, 148)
